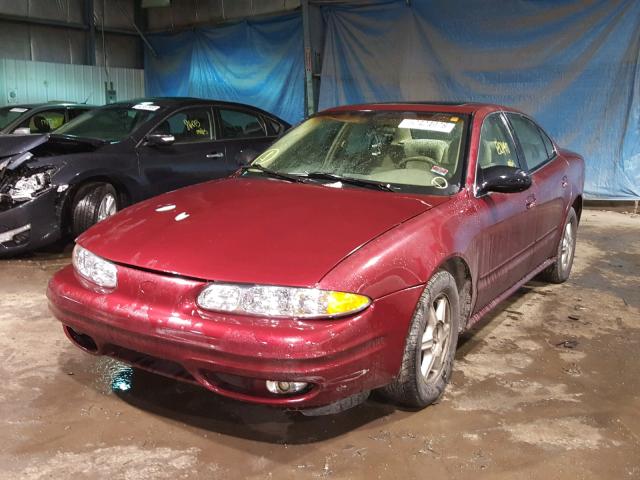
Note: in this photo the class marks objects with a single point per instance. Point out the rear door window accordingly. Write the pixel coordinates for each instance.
(240, 124)
(533, 146)
(273, 127)
(548, 144)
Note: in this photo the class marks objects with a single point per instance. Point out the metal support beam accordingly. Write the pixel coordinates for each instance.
(140, 32)
(90, 21)
(42, 21)
(59, 24)
(310, 102)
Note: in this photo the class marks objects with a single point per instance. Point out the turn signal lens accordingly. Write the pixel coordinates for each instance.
(341, 302)
(272, 301)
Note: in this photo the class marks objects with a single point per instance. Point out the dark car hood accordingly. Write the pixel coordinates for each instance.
(251, 230)
(15, 144)
(14, 147)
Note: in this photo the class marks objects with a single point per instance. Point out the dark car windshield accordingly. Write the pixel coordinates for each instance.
(112, 123)
(9, 114)
(418, 152)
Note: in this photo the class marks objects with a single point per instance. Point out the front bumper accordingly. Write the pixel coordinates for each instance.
(30, 225)
(152, 321)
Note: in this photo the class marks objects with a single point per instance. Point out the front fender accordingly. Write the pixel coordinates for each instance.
(409, 254)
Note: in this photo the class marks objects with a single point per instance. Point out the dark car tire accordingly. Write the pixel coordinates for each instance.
(559, 271)
(89, 204)
(411, 387)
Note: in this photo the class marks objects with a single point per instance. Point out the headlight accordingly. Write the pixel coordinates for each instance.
(280, 301)
(95, 269)
(26, 187)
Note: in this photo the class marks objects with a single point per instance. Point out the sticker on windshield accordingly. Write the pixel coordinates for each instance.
(431, 125)
(149, 106)
(267, 155)
(18, 110)
(439, 170)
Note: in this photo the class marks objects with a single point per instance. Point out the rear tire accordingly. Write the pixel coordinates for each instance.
(92, 203)
(559, 271)
(431, 343)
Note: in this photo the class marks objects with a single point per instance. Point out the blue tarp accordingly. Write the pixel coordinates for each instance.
(572, 64)
(259, 63)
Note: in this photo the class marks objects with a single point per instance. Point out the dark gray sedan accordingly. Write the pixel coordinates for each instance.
(60, 184)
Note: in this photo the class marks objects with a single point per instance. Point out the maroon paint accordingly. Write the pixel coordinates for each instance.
(383, 245)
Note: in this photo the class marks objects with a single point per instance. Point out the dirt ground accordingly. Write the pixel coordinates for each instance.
(548, 387)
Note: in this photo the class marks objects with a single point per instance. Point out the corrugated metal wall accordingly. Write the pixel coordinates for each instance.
(184, 13)
(34, 82)
(25, 35)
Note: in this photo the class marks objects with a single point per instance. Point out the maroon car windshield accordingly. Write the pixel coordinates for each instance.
(417, 152)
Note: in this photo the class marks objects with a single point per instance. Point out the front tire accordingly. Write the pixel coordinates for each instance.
(92, 203)
(561, 268)
(430, 346)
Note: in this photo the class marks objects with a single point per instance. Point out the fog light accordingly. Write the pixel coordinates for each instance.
(285, 388)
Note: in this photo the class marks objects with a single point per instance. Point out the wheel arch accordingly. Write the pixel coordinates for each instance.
(459, 269)
(577, 206)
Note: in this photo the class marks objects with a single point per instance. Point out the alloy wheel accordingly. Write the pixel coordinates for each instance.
(436, 338)
(107, 207)
(566, 250)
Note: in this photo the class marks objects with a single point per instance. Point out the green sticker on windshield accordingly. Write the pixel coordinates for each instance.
(268, 155)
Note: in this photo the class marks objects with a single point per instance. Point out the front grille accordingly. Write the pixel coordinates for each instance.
(150, 363)
(17, 239)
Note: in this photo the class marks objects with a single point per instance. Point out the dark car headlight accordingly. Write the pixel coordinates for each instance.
(274, 301)
(27, 187)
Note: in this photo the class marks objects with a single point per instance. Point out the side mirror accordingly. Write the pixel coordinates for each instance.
(245, 157)
(503, 179)
(22, 131)
(159, 139)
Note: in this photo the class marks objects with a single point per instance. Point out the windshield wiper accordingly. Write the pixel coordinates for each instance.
(359, 182)
(273, 173)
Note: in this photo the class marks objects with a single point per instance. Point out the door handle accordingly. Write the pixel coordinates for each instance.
(215, 155)
(565, 182)
(531, 202)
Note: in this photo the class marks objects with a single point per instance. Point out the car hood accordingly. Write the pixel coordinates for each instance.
(15, 144)
(251, 230)
(18, 150)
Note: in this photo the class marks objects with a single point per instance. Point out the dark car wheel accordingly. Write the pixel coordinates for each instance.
(561, 268)
(430, 346)
(92, 203)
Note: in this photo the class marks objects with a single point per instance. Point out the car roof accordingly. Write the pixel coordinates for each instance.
(423, 106)
(173, 102)
(32, 106)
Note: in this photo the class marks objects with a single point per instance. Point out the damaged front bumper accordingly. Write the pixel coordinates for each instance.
(29, 225)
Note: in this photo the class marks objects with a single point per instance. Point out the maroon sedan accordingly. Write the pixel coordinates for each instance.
(347, 257)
